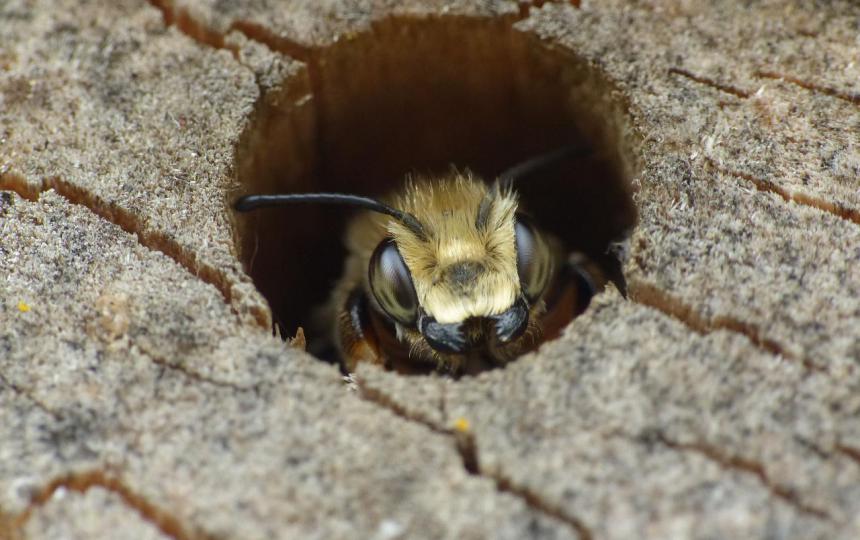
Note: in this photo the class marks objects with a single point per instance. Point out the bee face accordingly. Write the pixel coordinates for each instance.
(451, 274)
(469, 281)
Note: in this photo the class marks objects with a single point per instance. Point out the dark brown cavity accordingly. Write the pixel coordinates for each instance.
(416, 97)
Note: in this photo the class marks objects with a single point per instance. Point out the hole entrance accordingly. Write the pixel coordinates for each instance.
(416, 97)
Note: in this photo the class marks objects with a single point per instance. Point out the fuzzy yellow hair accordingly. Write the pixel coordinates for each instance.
(460, 268)
(466, 225)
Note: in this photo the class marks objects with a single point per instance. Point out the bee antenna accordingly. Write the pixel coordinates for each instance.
(531, 166)
(254, 202)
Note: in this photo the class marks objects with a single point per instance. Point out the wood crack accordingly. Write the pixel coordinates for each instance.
(850, 452)
(534, 501)
(81, 482)
(185, 23)
(466, 446)
(848, 214)
(728, 89)
(128, 222)
(25, 190)
(278, 43)
(28, 395)
(748, 466)
(850, 97)
(204, 35)
(197, 377)
(372, 395)
(199, 32)
(654, 297)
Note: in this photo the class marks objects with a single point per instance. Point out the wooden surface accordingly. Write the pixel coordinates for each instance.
(143, 396)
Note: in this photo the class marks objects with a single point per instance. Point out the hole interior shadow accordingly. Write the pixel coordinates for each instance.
(418, 97)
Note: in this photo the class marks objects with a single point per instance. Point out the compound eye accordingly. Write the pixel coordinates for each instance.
(534, 261)
(391, 283)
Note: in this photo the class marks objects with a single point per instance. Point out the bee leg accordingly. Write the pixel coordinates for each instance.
(578, 281)
(612, 264)
(588, 278)
(356, 337)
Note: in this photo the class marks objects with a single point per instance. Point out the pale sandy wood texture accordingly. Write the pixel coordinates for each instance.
(143, 396)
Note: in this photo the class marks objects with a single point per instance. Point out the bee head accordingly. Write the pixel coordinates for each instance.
(458, 269)
(469, 278)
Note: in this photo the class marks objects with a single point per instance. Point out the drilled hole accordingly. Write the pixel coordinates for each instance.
(416, 97)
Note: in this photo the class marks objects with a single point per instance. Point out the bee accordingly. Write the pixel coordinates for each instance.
(449, 274)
